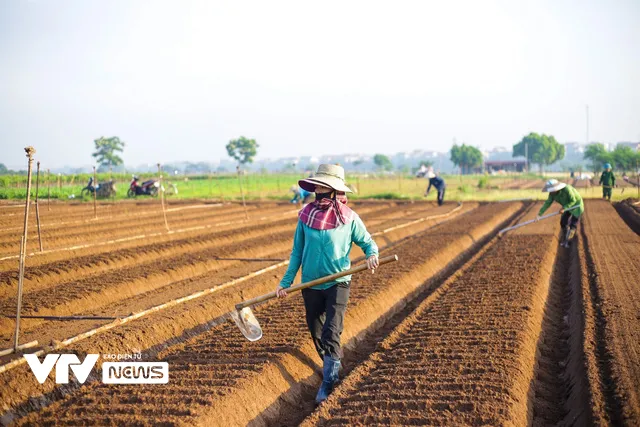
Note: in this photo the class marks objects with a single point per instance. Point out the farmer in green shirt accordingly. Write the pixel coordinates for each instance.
(321, 245)
(608, 181)
(568, 197)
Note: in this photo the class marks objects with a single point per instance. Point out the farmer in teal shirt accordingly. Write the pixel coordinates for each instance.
(321, 245)
(608, 181)
(568, 197)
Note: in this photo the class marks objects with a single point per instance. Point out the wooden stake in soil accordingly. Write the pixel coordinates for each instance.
(95, 194)
(113, 193)
(37, 206)
(219, 187)
(210, 188)
(164, 212)
(246, 215)
(48, 189)
(23, 245)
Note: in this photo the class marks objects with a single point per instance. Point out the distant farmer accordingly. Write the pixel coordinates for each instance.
(608, 181)
(321, 245)
(438, 183)
(568, 197)
(299, 194)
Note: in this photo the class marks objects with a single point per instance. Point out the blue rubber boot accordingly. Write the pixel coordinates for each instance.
(329, 378)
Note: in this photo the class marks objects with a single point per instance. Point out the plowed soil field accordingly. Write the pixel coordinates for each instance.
(467, 328)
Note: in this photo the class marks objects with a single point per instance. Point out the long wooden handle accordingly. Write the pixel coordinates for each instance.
(325, 279)
(531, 221)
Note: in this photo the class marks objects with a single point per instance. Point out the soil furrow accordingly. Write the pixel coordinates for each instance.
(43, 331)
(613, 269)
(284, 358)
(495, 313)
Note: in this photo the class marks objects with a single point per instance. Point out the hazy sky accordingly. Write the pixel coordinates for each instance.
(176, 80)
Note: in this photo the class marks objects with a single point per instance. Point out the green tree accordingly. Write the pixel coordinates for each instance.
(3, 169)
(382, 162)
(466, 157)
(541, 149)
(624, 158)
(598, 155)
(243, 149)
(106, 149)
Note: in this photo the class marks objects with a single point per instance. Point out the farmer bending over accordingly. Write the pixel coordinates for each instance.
(568, 197)
(608, 181)
(438, 183)
(321, 244)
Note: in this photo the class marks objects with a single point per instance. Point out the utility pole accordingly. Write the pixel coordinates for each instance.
(526, 155)
(587, 125)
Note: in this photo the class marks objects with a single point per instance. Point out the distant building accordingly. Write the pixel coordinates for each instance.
(515, 165)
(573, 149)
(633, 145)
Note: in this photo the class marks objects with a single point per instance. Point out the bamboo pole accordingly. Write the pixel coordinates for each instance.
(143, 313)
(219, 187)
(23, 245)
(37, 206)
(246, 215)
(111, 183)
(210, 184)
(164, 212)
(95, 194)
(48, 189)
(20, 347)
(63, 318)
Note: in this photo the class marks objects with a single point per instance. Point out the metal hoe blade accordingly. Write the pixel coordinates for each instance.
(247, 323)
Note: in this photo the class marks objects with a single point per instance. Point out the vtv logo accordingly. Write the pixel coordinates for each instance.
(62, 362)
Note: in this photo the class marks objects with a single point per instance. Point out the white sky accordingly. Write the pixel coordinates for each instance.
(176, 80)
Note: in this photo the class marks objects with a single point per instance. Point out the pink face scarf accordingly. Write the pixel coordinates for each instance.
(327, 214)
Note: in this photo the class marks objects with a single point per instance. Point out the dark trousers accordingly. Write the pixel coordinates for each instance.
(568, 220)
(325, 317)
(440, 197)
(606, 192)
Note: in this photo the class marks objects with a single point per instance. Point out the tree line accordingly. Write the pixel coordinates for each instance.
(621, 158)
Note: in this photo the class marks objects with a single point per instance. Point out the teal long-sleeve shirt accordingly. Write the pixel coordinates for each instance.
(568, 197)
(325, 252)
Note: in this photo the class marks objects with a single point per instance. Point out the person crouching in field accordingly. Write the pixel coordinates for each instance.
(568, 197)
(439, 185)
(608, 181)
(321, 245)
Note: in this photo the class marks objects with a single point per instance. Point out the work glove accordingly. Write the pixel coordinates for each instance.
(537, 218)
(562, 210)
(281, 292)
(372, 263)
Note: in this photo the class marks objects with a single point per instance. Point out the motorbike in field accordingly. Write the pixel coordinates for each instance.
(102, 190)
(147, 188)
